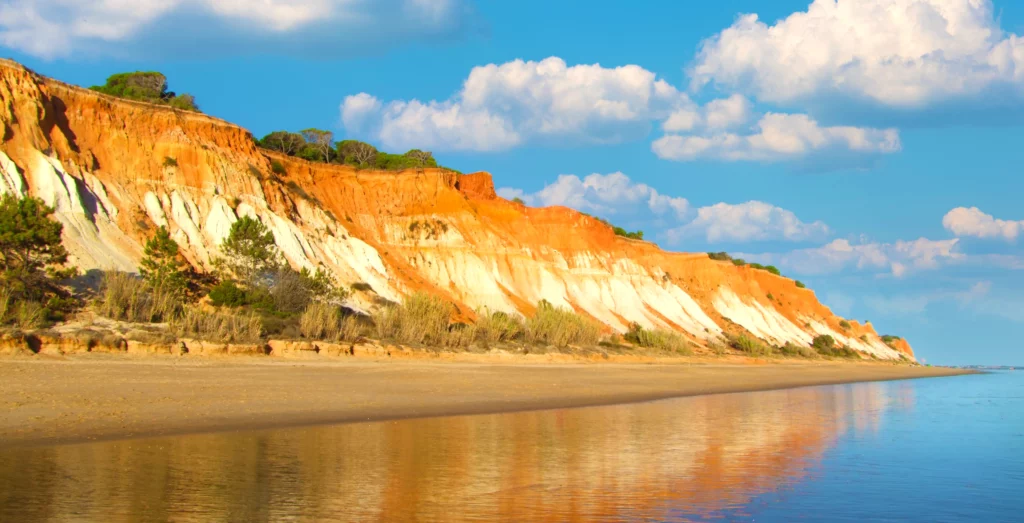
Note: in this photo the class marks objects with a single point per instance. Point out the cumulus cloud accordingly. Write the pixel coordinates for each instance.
(748, 221)
(57, 28)
(898, 258)
(777, 137)
(724, 113)
(617, 194)
(972, 222)
(603, 193)
(501, 106)
(897, 53)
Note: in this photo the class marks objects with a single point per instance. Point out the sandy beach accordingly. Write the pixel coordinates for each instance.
(75, 400)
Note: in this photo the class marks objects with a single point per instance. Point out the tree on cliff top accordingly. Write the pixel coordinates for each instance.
(32, 258)
(283, 141)
(321, 141)
(146, 86)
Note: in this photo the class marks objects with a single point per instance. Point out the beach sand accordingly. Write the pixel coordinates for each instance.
(75, 400)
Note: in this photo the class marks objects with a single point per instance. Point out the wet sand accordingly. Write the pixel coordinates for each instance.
(48, 402)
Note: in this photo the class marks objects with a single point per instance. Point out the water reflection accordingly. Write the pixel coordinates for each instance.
(668, 460)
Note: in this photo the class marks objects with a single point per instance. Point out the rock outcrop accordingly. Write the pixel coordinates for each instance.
(116, 169)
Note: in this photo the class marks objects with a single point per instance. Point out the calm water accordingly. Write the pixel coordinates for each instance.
(932, 450)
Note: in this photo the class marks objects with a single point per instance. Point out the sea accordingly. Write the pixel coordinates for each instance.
(929, 450)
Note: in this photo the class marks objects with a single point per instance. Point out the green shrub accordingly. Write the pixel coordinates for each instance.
(823, 343)
(277, 167)
(772, 269)
(794, 350)
(250, 254)
(637, 235)
(170, 162)
(889, 339)
(499, 327)
(739, 262)
(227, 294)
(660, 339)
(717, 347)
(845, 324)
(560, 327)
(770, 297)
(719, 256)
(162, 266)
(749, 345)
(800, 285)
(518, 200)
(146, 87)
(362, 287)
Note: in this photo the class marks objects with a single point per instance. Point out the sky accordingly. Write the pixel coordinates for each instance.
(869, 148)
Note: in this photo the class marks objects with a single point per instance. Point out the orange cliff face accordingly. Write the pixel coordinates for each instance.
(116, 169)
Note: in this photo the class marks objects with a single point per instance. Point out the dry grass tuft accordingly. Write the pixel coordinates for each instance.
(321, 321)
(560, 327)
(499, 327)
(421, 319)
(127, 297)
(218, 326)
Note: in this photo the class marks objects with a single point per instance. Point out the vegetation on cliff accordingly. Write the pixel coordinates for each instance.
(318, 145)
(146, 87)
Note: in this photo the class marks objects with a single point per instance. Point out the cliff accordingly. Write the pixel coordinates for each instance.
(115, 169)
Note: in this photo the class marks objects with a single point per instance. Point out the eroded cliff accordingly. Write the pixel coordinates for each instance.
(114, 170)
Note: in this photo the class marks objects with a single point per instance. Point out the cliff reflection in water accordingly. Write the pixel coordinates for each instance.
(662, 460)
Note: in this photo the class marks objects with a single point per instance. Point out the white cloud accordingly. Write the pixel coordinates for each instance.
(603, 193)
(898, 258)
(617, 194)
(501, 106)
(777, 137)
(747, 222)
(57, 28)
(900, 53)
(724, 113)
(973, 222)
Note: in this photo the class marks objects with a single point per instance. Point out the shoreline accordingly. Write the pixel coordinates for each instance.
(78, 400)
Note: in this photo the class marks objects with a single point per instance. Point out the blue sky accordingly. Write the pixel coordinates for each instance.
(869, 148)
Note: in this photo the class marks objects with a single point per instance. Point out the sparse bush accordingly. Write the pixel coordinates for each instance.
(739, 262)
(499, 327)
(126, 297)
(749, 345)
(772, 269)
(800, 285)
(770, 297)
(560, 327)
(889, 339)
(518, 200)
(250, 254)
(719, 256)
(146, 87)
(460, 335)
(218, 326)
(362, 287)
(659, 339)
(277, 167)
(170, 162)
(845, 324)
(864, 338)
(794, 350)
(29, 315)
(717, 347)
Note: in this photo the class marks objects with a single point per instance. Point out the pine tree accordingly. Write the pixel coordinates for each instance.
(32, 257)
(161, 265)
(250, 254)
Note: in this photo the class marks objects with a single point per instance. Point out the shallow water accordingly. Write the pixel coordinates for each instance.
(949, 449)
